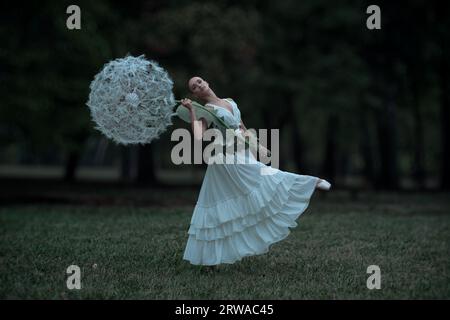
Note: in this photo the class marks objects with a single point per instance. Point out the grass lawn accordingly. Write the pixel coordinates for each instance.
(128, 252)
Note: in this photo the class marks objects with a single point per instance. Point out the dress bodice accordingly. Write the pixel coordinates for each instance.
(232, 119)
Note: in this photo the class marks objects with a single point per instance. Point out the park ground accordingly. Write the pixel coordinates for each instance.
(129, 245)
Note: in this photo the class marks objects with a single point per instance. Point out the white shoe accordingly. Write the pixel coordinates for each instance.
(324, 185)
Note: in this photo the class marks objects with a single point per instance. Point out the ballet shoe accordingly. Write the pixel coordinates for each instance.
(324, 185)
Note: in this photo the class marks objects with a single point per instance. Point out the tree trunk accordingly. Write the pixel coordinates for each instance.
(129, 155)
(445, 119)
(387, 137)
(146, 168)
(330, 154)
(419, 143)
(298, 147)
(73, 159)
(125, 164)
(367, 148)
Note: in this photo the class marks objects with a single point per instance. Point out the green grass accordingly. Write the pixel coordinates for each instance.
(138, 253)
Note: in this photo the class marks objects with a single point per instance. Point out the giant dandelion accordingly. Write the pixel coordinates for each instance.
(131, 100)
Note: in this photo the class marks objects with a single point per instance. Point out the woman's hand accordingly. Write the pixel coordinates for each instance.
(187, 103)
(198, 127)
(264, 152)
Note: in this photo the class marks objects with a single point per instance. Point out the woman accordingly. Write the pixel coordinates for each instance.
(239, 211)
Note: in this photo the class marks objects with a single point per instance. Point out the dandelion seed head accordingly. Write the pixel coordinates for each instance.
(131, 100)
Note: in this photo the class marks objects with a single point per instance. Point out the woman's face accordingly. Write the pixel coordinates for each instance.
(198, 87)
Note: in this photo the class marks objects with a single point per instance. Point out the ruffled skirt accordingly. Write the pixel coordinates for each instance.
(241, 212)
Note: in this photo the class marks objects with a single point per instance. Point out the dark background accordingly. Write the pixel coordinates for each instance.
(366, 109)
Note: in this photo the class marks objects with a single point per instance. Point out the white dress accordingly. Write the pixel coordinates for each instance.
(241, 212)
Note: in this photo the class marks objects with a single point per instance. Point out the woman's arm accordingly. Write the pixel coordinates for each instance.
(242, 126)
(198, 126)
